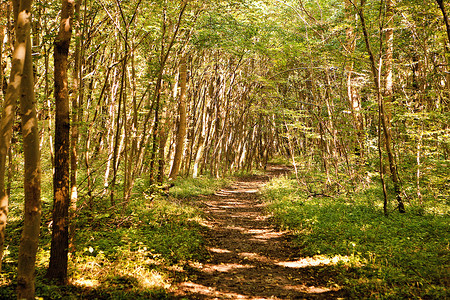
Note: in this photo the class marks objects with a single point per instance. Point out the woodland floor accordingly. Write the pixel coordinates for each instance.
(249, 257)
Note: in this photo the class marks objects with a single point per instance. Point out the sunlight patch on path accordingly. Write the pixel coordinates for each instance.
(195, 288)
(225, 267)
(304, 263)
(217, 250)
(308, 289)
(314, 261)
(240, 190)
(254, 256)
(265, 234)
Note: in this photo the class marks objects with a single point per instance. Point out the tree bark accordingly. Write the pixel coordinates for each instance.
(354, 101)
(444, 14)
(3, 16)
(32, 175)
(181, 132)
(57, 269)
(23, 27)
(78, 94)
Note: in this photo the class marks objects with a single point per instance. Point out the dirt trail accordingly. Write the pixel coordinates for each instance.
(250, 258)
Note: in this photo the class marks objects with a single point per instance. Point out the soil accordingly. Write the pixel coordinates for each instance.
(249, 257)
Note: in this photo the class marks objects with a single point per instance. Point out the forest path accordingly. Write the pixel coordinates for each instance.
(249, 257)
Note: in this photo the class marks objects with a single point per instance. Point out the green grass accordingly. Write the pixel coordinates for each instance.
(400, 256)
(192, 187)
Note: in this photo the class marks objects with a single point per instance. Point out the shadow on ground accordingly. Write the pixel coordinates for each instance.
(249, 257)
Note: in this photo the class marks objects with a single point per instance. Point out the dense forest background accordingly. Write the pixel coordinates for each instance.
(130, 95)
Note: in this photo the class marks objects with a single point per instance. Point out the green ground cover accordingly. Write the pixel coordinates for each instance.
(135, 253)
(402, 256)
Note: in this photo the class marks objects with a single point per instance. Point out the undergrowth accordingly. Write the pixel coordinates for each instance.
(133, 253)
(403, 256)
(191, 187)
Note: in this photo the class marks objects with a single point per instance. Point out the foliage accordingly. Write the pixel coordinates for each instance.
(136, 254)
(400, 256)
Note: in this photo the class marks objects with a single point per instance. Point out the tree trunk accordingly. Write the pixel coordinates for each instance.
(9, 108)
(3, 11)
(382, 111)
(447, 27)
(57, 269)
(32, 175)
(354, 101)
(78, 94)
(444, 14)
(181, 133)
(164, 55)
(389, 59)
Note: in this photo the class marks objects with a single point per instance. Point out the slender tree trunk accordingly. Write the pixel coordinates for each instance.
(418, 172)
(164, 55)
(445, 16)
(156, 125)
(49, 109)
(32, 175)
(121, 106)
(354, 101)
(23, 26)
(163, 135)
(181, 132)
(386, 106)
(78, 94)
(389, 58)
(3, 11)
(202, 135)
(384, 117)
(57, 269)
(132, 160)
(447, 27)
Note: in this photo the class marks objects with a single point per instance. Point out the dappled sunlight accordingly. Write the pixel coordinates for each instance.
(322, 260)
(217, 250)
(86, 283)
(91, 273)
(224, 267)
(253, 256)
(308, 289)
(198, 289)
(153, 279)
(214, 293)
(366, 250)
(265, 234)
(237, 191)
(249, 258)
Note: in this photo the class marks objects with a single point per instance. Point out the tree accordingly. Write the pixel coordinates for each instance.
(354, 100)
(77, 99)
(32, 175)
(22, 84)
(60, 228)
(383, 115)
(445, 16)
(181, 132)
(165, 50)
